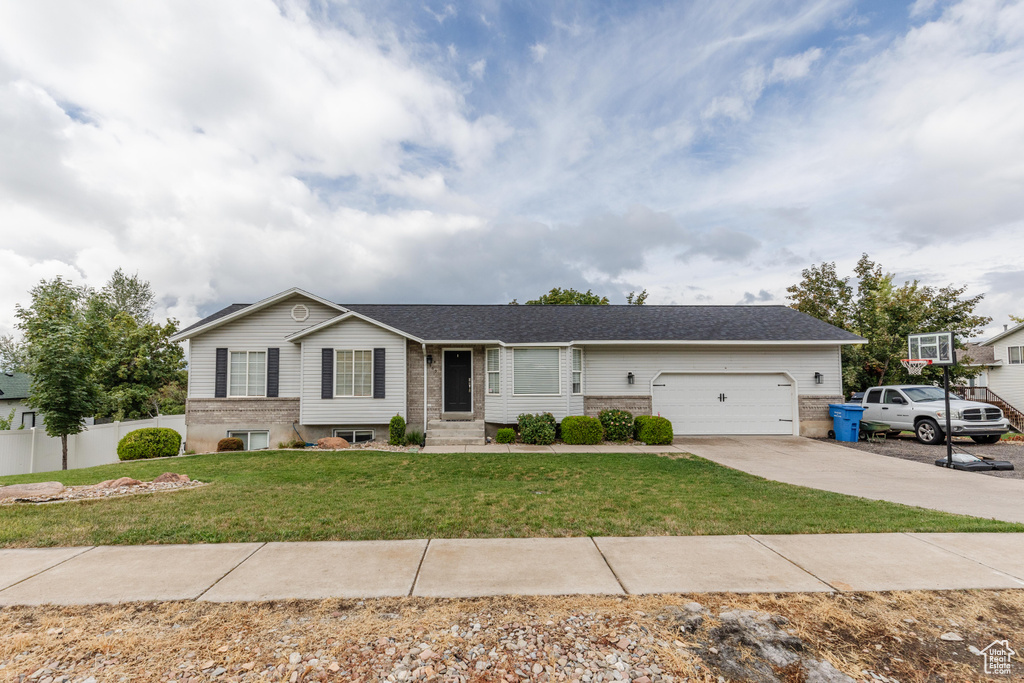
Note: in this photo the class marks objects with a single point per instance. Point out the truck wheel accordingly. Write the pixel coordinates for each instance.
(928, 432)
(988, 438)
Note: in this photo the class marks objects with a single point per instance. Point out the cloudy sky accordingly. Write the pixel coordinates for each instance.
(478, 151)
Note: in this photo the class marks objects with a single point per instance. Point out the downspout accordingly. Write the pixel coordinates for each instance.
(424, 345)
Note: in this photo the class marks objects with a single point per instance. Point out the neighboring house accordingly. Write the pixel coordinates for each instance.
(14, 394)
(1003, 377)
(296, 364)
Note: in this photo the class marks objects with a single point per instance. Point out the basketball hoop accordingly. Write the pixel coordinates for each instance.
(915, 365)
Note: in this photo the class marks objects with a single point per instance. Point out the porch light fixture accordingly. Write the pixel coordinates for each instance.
(630, 378)
(819, 378)
(430, 359)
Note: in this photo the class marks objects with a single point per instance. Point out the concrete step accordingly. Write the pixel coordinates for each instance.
(455, 440)
(439, 426)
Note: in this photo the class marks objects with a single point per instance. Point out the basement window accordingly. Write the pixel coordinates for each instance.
(252, 440)
(354, 435)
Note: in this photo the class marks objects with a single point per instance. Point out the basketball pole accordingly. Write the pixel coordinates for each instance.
(949, 426)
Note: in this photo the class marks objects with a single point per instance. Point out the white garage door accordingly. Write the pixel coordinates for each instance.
(725, 403)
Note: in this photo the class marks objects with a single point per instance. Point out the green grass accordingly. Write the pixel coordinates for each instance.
(309, 496)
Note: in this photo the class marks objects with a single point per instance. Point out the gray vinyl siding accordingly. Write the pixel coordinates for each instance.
(506, 408)
(605, 367)
(257, 331)
(1006, 380)
(353, 334)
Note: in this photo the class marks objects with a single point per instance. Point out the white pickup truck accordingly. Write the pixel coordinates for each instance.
(922, 409)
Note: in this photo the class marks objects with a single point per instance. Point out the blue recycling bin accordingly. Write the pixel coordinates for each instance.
(845, 420)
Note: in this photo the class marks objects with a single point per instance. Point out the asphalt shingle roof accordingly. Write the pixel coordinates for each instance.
(14, 386)
(227, 310)
(553, 324)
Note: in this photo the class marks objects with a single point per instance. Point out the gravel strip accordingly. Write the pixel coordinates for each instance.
(906, 447)
(90, 492)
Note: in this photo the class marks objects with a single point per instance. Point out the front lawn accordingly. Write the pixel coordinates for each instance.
(327, 495)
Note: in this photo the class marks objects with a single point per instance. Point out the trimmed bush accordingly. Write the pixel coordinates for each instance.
(537, 429)
(656, 431)
(638, 424)
(396, 431)
(618, 424)
(230, 444)
(580, 430)
(505, 435)
(152, 442)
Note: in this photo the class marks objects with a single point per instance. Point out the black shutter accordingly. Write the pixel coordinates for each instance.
(273, 371)
(220, 383)
(378, 373)
(327, 374)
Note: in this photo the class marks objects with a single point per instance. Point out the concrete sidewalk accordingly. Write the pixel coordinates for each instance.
(461, 568)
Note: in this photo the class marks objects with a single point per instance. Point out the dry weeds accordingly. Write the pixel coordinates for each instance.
(895, 635)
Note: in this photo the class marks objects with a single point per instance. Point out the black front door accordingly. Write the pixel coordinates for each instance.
(458, 390)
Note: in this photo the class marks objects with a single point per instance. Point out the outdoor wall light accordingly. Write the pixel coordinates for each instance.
(430, 359)
(819, 378)
(630, 378)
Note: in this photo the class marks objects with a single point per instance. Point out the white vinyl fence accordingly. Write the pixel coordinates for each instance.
(23, 451)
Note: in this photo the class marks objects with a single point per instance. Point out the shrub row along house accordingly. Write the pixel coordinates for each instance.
(298, 366)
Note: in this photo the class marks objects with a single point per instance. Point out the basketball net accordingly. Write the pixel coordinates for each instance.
(915, 365)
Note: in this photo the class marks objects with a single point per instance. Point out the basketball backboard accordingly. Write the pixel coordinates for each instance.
(934, 346)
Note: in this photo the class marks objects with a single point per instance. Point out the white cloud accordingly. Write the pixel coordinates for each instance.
(539, 52)
(476, 69)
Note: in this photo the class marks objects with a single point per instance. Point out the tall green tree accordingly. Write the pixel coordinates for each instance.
(135, 357)
(61, 359)
(571, 297)
(885, 313)
(13, 356)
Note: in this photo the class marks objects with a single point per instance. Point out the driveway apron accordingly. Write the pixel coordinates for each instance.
(829, 467)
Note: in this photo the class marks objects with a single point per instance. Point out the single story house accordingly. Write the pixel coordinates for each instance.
(14, 396)
(296, 365)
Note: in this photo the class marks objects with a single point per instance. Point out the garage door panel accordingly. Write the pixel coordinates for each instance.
(725, 403)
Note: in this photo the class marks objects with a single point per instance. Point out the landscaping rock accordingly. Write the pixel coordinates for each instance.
(751, 646)
(171, 477)
(332, 443)
(117, 483)
(688, 618)
(43, 488)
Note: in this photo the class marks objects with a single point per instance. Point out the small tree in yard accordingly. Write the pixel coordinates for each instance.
(60, 359)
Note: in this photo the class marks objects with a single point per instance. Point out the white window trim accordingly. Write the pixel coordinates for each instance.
(488, 372)
(266, 355)
(1020, 355)
(336, 430)
(337, 367)
(561, 372)
(573, 352)
(248, 438)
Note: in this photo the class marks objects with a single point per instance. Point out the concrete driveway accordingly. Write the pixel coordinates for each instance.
(826, 466)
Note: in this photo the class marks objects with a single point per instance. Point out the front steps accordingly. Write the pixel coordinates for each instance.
(455, 433)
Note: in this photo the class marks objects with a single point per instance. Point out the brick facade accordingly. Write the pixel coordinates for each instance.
(816, 407)
(241, 411)
(434, 405)
(814, 418)
(636, 404)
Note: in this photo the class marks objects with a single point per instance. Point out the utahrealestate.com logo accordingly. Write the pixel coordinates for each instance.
(997, 657)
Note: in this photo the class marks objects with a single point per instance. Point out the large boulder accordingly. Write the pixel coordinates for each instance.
(117, 483)
(43, 488)
(171, 478)
(332, 442)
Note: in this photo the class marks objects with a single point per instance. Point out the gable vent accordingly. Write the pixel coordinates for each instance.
(300, 312)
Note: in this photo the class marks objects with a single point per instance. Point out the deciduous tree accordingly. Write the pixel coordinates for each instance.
(59, 338)
(884, 314)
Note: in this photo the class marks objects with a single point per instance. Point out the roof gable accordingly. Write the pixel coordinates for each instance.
(236, 311)
(1004, 334)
